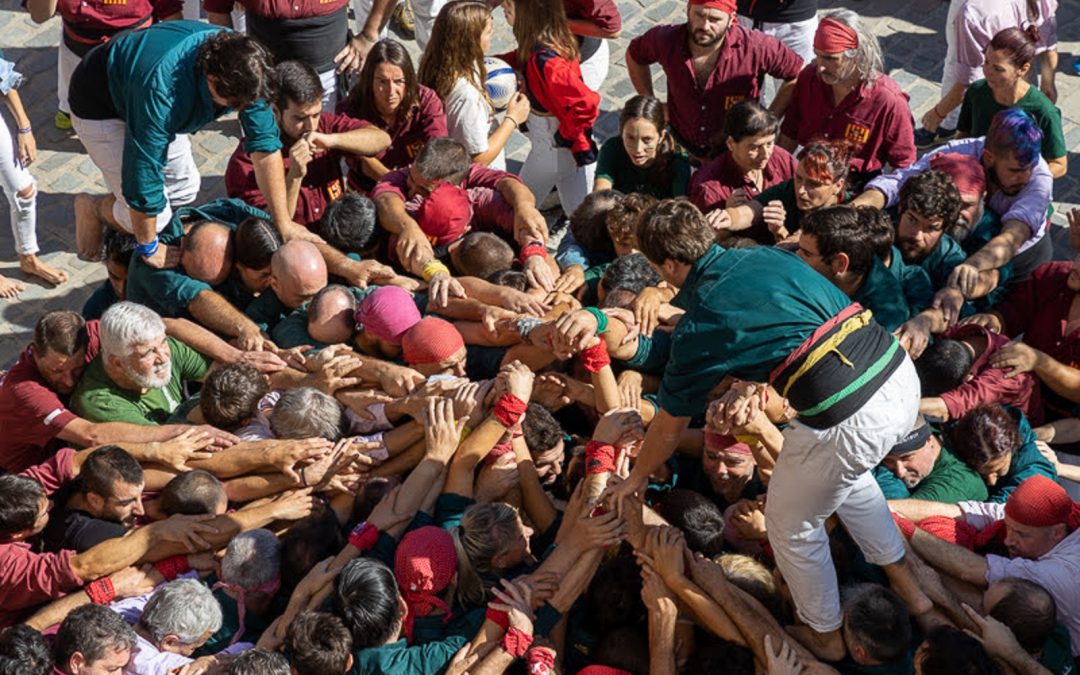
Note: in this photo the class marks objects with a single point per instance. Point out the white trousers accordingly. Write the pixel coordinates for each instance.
(549, 166)
(104, 142)
(798, 36)
(425, 12)
(66, 60)
(948, 75)
(14, 178)
(826, 471)
(594, 69)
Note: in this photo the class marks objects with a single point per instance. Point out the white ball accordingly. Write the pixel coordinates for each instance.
(501, 81)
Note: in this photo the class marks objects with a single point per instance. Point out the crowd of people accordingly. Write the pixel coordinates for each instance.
(785, 397)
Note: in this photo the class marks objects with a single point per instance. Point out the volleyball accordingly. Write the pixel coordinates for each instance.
(501, 81)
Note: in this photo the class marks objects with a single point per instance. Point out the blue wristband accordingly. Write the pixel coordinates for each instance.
(148, 249)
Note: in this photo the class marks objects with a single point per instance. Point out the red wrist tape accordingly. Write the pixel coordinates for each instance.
(498, 617)
(498, 451)
(599, 457)
(595, 358)
(907, 527)
(509, 409)
(533, 249)
(516, 642)
(364, 536)
(170, 568)
(540, 661)
(101, 592)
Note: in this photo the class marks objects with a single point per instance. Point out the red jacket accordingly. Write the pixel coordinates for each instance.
(555, 87)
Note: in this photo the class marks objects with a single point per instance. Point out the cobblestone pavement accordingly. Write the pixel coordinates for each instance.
(909, 32)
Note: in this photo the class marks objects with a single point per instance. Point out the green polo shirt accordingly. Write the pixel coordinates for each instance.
(267, 311)
(1056, 653)
(746, 310)
(979, 108)
(915, 282)
(950, 481)
(398, 658)
(98, 399)
(883, 294)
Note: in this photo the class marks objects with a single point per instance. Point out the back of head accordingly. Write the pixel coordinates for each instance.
(105, 467)
(877, 620)
(20, 503)
(259, 661)
(1021, 44)
(1028, 610)
(965, 172)
(366, 598)
(613, 598)
(588, 221)
(880, 227)
(943, 366)
(319, 644)
(515, 279)
(298, 258)
(486, 530)
(252, 560)
(230, 395)
(482, 254)
(192, 493)
(119, 247)
(700, 519)
(826, 161)
(630, 272)
(542, 431)
(60, 332)
(184, 608)
(349, 223)
(623, 218)
(752, 577)
(839, 229)
(1015, 133)
(950, 651)
(23, 651)
(749, 118)
(297, 83)
(93, 631)
(444, 159)
(983, 434)
(625, 648)
(307, 542)
(256, 240)
(674, 230)
(933, 195)
(332, 315)
(126, 324)
(241, 67)
(306, 412)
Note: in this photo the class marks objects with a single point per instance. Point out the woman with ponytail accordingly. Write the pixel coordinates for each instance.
(643, 157)
(1008, 63)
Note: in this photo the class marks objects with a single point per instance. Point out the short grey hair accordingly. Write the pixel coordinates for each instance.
(868, 59)
(306, 412)
(184, 608)
(259, 662)
(252, 559)
(126, 324)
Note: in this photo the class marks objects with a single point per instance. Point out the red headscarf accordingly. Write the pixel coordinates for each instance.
(425, 563)
(445, 215)
(728, 6)
(726, 443)
(833, 37)
(431, 340)
(965, 170)
(1040, 502)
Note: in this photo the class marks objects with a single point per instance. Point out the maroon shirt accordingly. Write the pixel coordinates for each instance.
(697, 114)
(278, 9)
(989, 384)
(713, 183)
(29, 579)
(425, 122)
(1039, 308)
(84, 19)
(323, 183)
(31, 413)
(603, 13)
(876, 118)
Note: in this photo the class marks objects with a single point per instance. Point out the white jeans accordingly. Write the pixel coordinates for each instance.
(14, 178)
(549, 166)
(798, 36)
(948, 75)
(826, 471)
(66, 60)
(425, 12)
(594, 69)
(104, 142)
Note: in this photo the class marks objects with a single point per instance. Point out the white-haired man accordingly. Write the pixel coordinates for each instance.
(140, 373)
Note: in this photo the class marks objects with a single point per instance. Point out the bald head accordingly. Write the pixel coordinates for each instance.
(208, 252)
(331, 315)
(298, 272)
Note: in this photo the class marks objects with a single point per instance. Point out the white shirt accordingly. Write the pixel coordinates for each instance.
(471, 121)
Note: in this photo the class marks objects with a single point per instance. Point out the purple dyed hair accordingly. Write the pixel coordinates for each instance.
(1013, 131)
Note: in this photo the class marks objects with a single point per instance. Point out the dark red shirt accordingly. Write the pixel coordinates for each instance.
(714, 182)
(322, 184)
(989, 384)
(603, 13)
(109, 17)
(407, 138)
(1039, 308)
(876, 118)
(697, 114)
(31, 413)
(278, 9)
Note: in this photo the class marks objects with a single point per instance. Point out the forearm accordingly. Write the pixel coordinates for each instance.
(144, 226)
(270, 177)
(242, 458)
(56, 611)
(379, 17)
(640, 76)
(293, 183)
(496, 141)
(951, 559)
(709, 614)
(871, 197)
(951, 100)
(216, 313)
(1048, 66)
(934, 406)
(1058, 166)
(538, 507)
(782, 99)
(115, 554)
(469, 453)
(662, 642)
(201, 340)
(917, 509)
(219, 19)
(587, 28)
(605, 390)
(86, 434)
(660, 441)
(1001, 248)
(249, 488)
(14, 104)
(400, 463)
(1062, 379)
(367, 141)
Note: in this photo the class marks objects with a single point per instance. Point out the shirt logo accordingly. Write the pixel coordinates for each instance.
(730, 101)
(335, 190)
(114, 2)
(857, 133)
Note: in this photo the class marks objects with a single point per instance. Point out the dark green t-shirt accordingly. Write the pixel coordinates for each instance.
(882, 294)
(979, 108)
(950, 481)
(614, 165)
(98, 399)
(918, 290)
(166, 291)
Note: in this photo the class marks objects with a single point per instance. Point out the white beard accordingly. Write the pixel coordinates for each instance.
(156, 379)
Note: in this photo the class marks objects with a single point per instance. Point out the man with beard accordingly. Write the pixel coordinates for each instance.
(316, 141)
(103, 503)
(711, 63)
(139, 375)
(919, 467)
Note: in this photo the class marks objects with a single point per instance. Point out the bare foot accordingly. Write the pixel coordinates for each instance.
(9, 288)
(89, 228)
(826, 646)
(32, 265)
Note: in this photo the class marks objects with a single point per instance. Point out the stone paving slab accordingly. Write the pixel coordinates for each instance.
(910, 33)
